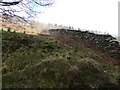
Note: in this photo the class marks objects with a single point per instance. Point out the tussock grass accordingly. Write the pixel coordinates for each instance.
(45, 61)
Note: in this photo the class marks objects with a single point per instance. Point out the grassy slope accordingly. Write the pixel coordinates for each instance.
(31, 61)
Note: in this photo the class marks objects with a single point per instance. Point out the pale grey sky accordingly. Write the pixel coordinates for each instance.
(100, 15)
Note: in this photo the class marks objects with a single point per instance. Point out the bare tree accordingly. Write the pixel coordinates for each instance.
(23, 8)
(4, 3)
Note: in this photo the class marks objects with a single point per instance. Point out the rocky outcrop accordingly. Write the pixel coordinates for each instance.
(104, 42)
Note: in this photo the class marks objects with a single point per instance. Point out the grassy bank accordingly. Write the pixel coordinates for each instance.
(54, 61)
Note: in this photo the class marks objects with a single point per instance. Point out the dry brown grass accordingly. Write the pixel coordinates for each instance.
(23, 29)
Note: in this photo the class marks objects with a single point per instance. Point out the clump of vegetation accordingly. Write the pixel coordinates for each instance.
(40, 61)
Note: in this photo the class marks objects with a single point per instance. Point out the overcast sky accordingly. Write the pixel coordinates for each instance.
(100, 15)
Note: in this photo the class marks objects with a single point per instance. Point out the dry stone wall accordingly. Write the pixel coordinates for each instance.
(104, 42)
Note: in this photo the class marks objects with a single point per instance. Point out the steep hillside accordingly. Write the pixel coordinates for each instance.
(55, 61)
